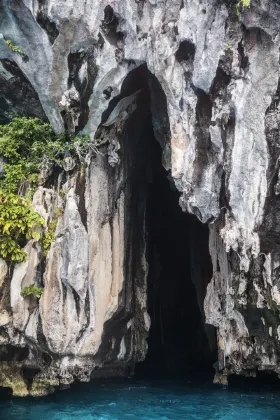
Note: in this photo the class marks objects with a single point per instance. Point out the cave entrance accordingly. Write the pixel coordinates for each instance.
(179, 270)
(176, 243)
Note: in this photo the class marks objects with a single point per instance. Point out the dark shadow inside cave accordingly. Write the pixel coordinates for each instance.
(176, 242)
(179, 271)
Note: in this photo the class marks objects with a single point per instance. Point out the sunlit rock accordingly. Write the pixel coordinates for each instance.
(201, 84)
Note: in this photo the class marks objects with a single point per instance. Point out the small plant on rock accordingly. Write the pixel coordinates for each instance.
(242, 4)
(32, 290)
(15, 48)
(49, 236)
(229, 46)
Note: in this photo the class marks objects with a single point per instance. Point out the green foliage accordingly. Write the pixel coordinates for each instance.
(15, 48)
(49, 236)
(18, 223)
(32, 290)
(18, 147)
(62, 193)
(26, 145)
(229, 46)
(242, 4)
(245, 3)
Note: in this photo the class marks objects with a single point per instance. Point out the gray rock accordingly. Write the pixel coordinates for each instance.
(215, 112)
(123, 109)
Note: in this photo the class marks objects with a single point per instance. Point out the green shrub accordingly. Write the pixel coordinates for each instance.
(49, 236)
(18, 148)
(15, 48)
(18, 223)
(32, 290)
(26, 144)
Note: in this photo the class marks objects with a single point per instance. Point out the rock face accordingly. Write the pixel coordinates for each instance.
(210, 82)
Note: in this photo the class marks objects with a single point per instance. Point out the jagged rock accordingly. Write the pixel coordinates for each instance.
(3, 271)
(4, 318)
(45, 172)
(70, 105)
(213, 83)
(68, 163)
(113, 157)
(25, 274)
(11, 377)
(123, 109)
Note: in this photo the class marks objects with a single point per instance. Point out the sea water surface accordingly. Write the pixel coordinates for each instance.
(147, 400)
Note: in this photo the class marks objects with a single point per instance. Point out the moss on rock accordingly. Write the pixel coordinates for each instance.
(11, 377)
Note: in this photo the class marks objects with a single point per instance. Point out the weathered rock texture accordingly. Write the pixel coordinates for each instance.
(213, 81)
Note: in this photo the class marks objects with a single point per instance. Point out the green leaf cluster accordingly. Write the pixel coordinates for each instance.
(15, 48)
(49, 236)
(49, 233)
(245, 3)
(18, 149)
(26, 145)
(18, 223)
(32, 290)
(242, 4)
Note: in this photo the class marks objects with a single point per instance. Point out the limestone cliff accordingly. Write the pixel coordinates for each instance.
(209, 80)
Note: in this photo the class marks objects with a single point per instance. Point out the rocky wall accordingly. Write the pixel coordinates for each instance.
(220, 141)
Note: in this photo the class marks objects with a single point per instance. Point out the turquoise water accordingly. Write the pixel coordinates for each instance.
(147, 400)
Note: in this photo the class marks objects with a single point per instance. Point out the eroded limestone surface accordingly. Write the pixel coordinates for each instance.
(219, 133)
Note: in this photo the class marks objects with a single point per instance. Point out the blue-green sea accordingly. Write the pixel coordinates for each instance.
(148, 400)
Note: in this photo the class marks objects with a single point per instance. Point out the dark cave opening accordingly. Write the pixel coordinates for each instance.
(176, 242)
(179, 270)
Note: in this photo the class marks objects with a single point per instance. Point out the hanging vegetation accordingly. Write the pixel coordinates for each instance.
(26, 145)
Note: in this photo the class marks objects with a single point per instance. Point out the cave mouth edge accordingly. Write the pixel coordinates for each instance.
(176, 243)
